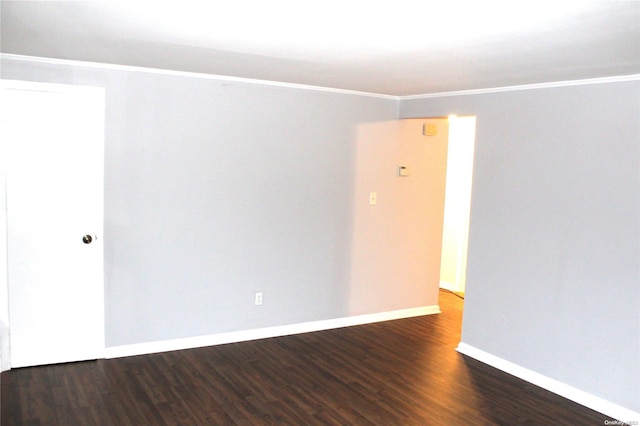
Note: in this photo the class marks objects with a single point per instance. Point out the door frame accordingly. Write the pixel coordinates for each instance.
(463, 212)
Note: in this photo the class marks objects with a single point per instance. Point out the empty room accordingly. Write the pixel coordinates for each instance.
(234, 213)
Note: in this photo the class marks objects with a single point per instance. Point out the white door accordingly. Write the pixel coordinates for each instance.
(54, 138)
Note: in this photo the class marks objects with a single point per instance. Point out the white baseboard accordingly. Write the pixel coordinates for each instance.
(5, 361)
(583, 398)
(263, 333)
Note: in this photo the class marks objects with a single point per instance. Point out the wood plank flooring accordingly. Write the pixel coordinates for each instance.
(403, 372)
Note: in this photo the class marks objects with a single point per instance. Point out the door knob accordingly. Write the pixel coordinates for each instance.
(87, 239)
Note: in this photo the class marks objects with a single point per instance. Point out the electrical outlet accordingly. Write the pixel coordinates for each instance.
(258, 298)
(373, 198)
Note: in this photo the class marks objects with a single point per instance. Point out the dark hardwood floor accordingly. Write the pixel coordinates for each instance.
(403, 372)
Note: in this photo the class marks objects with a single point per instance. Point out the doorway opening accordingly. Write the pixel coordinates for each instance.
(457, 204)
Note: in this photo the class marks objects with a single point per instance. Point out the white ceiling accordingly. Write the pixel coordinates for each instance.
(395, 47)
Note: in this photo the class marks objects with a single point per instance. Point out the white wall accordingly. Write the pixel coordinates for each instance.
(4, 288)
(554, 264)
(217, 189)
(396, 243)
(4, 299)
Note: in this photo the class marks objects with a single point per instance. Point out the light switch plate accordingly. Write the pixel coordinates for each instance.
(403, 171)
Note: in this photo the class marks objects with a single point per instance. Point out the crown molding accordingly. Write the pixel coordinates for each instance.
(130, 68)
(567, 83)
